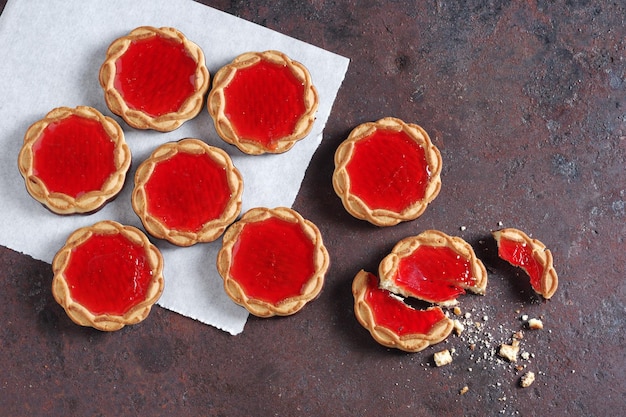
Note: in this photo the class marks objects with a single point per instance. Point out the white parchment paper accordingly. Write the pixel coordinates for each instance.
(51, 54)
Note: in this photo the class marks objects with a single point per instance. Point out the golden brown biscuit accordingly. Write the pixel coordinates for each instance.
(154, 78)
(517, 248)
(263, 102)
(272, 261)
(187, 192)
(74, 160)
(433, 267)
(107, 276)
(387, 172)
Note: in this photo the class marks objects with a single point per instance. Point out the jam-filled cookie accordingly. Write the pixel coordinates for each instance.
(517, 248)
(433, 267)
(392, 322)
(74, 160)
(272, 261)
(387, 171)
(187, 192)
(263, 102)
(107, 276)
(154, 78)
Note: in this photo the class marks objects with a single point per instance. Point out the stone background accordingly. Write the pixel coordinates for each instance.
(526, 101)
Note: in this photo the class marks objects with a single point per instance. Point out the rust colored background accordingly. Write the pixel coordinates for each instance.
(526, 101)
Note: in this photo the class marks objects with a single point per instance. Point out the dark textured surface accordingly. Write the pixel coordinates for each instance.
(526, 101)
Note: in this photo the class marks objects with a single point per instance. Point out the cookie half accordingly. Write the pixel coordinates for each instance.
(74, 160)
(392, 322)
(263, 102)
(273, 261)
(433, 267)
(107, 276)
(387, 171)
(154, 78)
(187, 192)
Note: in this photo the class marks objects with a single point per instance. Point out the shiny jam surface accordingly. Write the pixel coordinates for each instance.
(388, 170)
(264, 102)
(520, 254)
(186, 191)
(272, 260)
(73, 156)
(108, 274)
(155, 75)
(434, 273)
(395, 315)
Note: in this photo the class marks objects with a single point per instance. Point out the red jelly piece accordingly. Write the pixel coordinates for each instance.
(108, 274)
(435, 273)
(186, 191)
(155, 75)
(433, 267)
(521, 254)
(73, 156)
(264, 102)
(272, 260)
(388, 170)
(395, 315)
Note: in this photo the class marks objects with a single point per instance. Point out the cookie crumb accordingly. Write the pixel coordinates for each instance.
(509, 352)
(457, 311)
(464, 390)
(458, 327)
(535, 324)
(527, 379)
(443, 358)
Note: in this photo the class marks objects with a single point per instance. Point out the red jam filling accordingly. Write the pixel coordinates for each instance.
(73, 156)
(108, 274)
(264, 102)
(272, 260)
(388, 170)
(520, 254)
(434, 274)
(395, 315)
(155, 75)
(186, 191)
